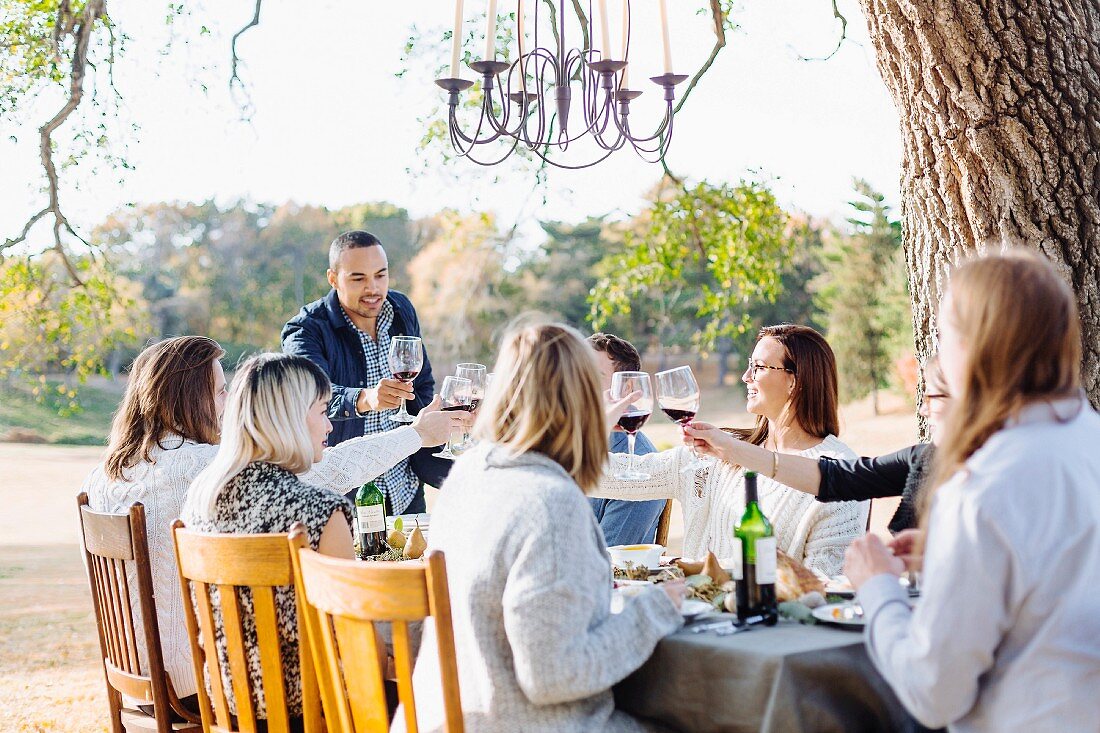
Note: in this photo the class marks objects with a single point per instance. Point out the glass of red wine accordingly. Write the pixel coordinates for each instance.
(477, 374)
(622, 384)
(455, 395)
(406, 359)
(678, 395)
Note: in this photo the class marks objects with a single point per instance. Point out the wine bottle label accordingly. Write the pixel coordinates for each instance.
(734, 562)
(765, 560)
(372, 518)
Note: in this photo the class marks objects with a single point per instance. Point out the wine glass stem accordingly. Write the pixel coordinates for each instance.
(404, 411)
(630, 452)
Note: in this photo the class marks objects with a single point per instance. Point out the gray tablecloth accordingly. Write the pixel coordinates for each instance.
(783, 679)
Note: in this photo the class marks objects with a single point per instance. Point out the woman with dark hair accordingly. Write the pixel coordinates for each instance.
(903, 473)
(166, 431)
(792, 389)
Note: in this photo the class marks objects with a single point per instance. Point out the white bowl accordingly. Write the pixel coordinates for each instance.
(648, 555)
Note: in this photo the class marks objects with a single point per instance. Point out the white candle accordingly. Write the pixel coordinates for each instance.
(626, 42)
(519, 37)
(663, 4)
(626, 29)
(491, 32)
(456, 40)
(605, 31)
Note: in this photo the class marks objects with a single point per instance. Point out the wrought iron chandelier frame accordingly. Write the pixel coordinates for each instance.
(509, 109)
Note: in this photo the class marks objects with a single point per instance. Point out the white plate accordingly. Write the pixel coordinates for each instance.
(825, 615)
(693, 607)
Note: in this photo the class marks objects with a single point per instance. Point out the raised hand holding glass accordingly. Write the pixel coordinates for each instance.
(455, 395)
(622, 384)
(406, 359)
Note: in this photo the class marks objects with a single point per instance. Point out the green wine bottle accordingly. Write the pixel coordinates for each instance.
(370, 520)
(756, 587)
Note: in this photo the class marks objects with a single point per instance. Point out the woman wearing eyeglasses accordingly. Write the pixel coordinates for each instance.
(792, 389)
(903, 473)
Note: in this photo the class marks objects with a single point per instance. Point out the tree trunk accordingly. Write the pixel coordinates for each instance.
(1000, 120)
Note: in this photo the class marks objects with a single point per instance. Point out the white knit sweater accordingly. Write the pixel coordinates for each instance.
(530, 586)
(161, 484)
(713, 500)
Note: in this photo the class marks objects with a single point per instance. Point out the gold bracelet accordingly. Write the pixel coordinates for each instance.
(775, 463)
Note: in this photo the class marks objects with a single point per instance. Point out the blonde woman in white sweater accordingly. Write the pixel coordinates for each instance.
(530, 583)
(792, 389)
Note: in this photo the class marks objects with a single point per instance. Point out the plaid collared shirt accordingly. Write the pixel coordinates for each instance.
(399, 484)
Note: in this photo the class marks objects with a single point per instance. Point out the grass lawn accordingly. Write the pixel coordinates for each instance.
(24, 419)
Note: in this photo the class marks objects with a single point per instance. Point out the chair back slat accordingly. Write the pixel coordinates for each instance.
(218, 569)
(115, 549)
(402, 660)
(237, 652)
(362, 656)
(439, 603)
(128, 632)
(205, 622)
(271, 659)
(344, 600)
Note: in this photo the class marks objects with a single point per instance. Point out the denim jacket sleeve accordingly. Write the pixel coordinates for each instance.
(302, 336)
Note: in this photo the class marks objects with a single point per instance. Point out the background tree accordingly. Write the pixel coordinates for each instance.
(460, 289)
(707, 253)
(1000, 124)
(861, 297)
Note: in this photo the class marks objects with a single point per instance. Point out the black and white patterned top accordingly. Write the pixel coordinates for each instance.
(265, 498)
(399, 484)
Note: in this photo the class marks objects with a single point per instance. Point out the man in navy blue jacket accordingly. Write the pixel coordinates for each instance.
(347, 333)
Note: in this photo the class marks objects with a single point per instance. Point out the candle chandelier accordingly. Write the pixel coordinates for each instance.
(531, 102)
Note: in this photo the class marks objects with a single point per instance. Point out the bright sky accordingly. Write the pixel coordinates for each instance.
(334, 126)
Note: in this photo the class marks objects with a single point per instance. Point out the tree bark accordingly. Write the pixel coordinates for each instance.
(1000, 120)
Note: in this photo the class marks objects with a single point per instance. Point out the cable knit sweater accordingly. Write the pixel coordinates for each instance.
(530, 585)
(713, 500)
(161, 483)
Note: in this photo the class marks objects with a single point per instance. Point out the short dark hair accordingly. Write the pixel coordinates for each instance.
(354, 239)
(621, 352)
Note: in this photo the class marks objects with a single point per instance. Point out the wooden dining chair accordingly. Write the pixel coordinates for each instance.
(230, 563)
(663, 523)
(342, 601)
(114, 544)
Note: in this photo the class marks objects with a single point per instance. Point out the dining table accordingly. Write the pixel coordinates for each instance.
(788, 678)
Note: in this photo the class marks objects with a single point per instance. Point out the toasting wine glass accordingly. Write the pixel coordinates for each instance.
(622, 384)
(678, 395)
(476, 373)
(455, 395)
(406, 360)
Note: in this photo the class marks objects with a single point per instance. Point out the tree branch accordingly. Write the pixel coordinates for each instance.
(82, 28)
(579, 10)
(234, 61)
(843, 36)
(26, 230)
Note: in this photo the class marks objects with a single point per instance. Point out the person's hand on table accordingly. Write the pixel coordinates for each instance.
(867, 557)
(709, 440)
(434, 426)
(387, 395)
(614, 409)
(907, 545)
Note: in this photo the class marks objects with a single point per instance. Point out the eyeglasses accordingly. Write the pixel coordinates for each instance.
(755, 369)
